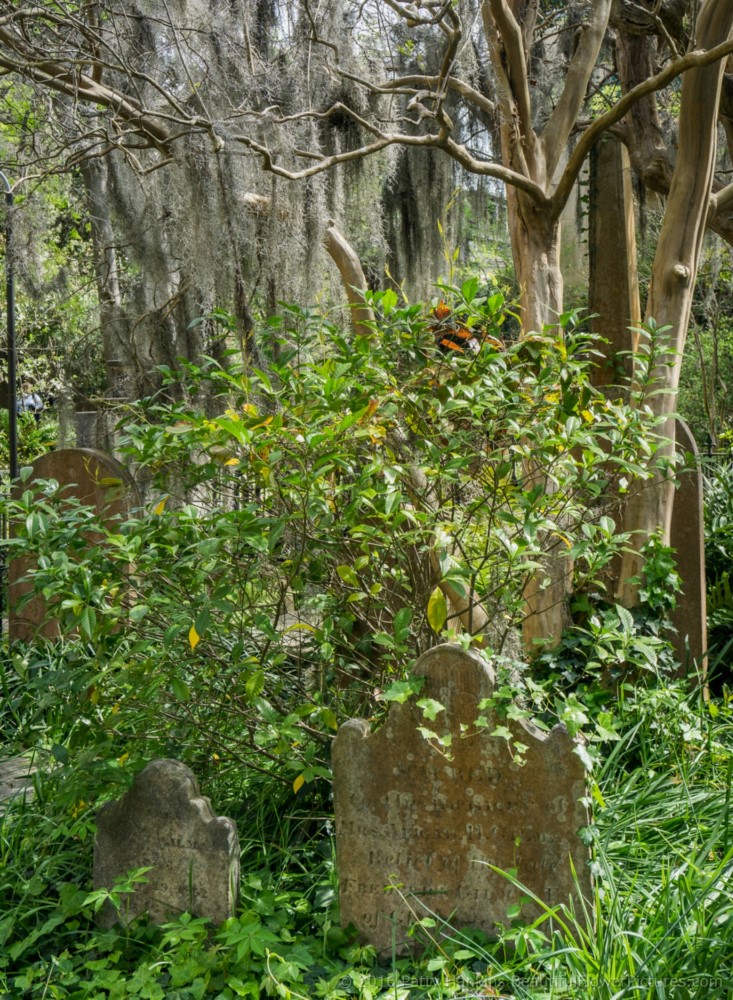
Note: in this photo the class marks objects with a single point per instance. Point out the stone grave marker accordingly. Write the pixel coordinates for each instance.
(164, 822)
(687, 537)
(87, 475)
(409, 814)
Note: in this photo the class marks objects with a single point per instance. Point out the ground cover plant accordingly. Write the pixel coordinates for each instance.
(351, 504)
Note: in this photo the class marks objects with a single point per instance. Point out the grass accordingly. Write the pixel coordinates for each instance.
(660, 924)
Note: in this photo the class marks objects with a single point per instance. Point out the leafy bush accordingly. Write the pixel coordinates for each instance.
(291, 567)
(33, 438)
(662, 915)
(292, 563)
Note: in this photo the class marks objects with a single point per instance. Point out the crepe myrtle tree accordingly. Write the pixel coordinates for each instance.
(299, 89)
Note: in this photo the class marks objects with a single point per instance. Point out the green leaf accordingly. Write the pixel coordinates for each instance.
(400, 691)
(437, 610)
(626, 619)
(502, 733)
(180, 689)
(430, 708)
(392, 500)
(88, 622)
(402, 623)
(254, 684)
(469, 289)
(581, 751)
(389, 301)
(348, 575)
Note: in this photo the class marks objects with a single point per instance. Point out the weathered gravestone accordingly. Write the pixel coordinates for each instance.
(164, 822)
(687, 537)
(86, 475)
(411, 815)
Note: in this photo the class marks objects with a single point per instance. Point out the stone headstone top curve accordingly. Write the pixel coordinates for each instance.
(436, 820)
(164, 822)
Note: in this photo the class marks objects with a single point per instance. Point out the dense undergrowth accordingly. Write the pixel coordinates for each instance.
(291, 564)
(662, 922)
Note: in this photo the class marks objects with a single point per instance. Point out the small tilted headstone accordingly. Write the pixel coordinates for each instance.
(165, 823)
(433, 820)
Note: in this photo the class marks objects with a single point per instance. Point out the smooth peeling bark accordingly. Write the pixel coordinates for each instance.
(354, 281)
(535, 241)
(673, 278)
(534, 232)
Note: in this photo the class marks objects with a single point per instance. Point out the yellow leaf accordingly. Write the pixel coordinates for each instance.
(232, 461)
(587, 416)
(193, 637)
(123, 759)
(250, 409)
(158, 509)
(298, 783)
(437, 610)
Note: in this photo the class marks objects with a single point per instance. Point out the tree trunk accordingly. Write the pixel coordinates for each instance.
(643, 132)
(673, 277)
(112, 321)
(535, 240)
(613, 287)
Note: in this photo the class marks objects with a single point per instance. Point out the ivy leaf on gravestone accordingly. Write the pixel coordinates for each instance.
(503, 733)
(430, 708)
(437, 610)
(582, 751)
(398, 691)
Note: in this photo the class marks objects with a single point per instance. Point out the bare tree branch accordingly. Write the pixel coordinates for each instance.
(453, 83)
(696, 58)
(344, 257)
(721, 200)
(512, 66)
(563, 118)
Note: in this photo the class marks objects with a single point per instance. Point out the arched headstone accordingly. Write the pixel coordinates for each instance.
(84, 474)
(164, 823)
(434, 820)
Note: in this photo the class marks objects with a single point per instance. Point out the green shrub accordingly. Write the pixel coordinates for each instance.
(285, 575)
